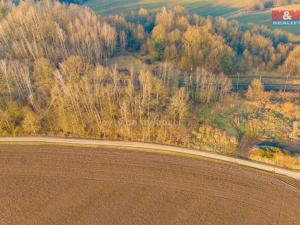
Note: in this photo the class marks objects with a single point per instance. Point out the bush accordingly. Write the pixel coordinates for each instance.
(276, 156)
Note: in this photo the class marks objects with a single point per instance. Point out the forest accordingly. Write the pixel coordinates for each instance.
(56, 79)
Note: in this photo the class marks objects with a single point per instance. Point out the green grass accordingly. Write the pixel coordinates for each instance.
(265, 18)
(202, 7)
(227, 8)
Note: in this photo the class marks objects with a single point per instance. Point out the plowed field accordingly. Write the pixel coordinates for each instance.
(56, 185)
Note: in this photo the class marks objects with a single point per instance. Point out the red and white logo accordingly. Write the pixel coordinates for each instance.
(286, 17)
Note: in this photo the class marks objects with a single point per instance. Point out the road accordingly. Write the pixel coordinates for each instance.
(160, 148)
(270, 87)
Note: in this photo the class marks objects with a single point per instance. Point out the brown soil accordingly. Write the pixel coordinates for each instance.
(88, 186)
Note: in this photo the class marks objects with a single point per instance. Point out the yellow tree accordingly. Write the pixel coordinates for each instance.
(212, 139)
(178, 107)
(256, 91)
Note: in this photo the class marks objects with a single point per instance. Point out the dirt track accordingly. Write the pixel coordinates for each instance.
(153, 148)
(86, 186)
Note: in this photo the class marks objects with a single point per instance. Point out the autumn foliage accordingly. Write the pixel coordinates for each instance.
(55, 79)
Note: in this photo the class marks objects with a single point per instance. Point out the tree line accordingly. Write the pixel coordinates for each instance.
(55, 79)
(219, 45)
(267, 4)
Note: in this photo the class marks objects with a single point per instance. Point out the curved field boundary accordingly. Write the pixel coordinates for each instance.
(161, 148)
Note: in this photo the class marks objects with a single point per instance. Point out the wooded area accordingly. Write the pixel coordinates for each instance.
(55, 80)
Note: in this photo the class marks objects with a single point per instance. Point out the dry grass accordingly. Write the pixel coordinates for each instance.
(278, 158)
(290, 7)
(127, 62)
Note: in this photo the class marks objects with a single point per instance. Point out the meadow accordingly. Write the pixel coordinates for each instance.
(231, 9)
(203, 7)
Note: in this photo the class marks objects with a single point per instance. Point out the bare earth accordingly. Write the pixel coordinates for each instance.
(57, 185)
